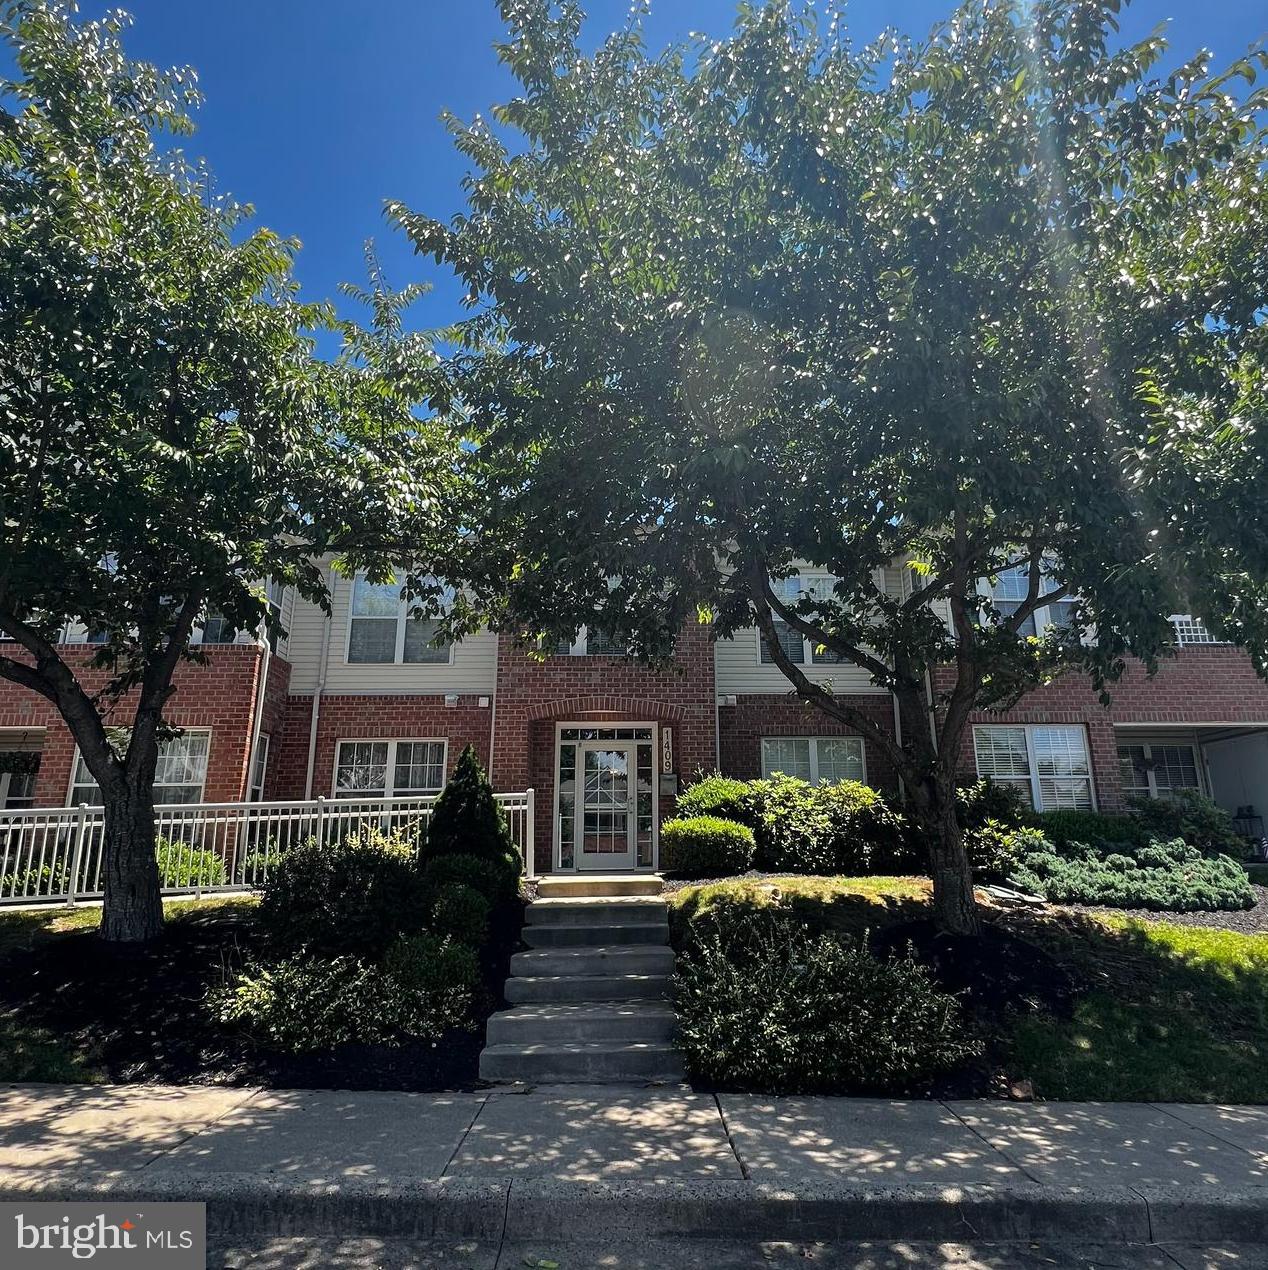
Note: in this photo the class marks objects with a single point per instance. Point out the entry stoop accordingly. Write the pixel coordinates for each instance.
(596, 885)
(589, 997)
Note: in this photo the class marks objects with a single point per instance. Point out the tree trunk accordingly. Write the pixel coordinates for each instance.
(132, 908)
(954, 908)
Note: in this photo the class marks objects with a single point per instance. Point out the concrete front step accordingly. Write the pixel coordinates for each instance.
(576, 988)
(598, 884)
(558, 1024)
(582, 1061)
(570, 934)
(587, 911)
(592, 959)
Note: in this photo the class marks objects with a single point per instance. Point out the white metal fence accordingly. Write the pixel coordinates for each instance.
(56, 853)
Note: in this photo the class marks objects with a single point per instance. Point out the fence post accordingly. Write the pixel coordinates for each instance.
(77, 854)
(530, 855)
(321, 816)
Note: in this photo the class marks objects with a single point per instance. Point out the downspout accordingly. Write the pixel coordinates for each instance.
(315, 716)
(257, 725)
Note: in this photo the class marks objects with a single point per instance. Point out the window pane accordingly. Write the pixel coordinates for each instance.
(261, 768)
(216, 630)
(1065, 795)
(840, 758)
(787, 754)
(375, 599)
(418, 646)
(373, 639)
(600, 645)
(1006, 608)
(179, 774)
(1134, 772)
(1061, 614)
(1175, 767)
(362, 768)
(1001, 752)
(419, 768)
(1061, 751)
(789, 640)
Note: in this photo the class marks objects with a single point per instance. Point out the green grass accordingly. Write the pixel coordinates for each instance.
(32, 1053)
(1166, 1012)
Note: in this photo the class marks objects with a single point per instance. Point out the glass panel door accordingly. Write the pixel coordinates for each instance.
(605, 827)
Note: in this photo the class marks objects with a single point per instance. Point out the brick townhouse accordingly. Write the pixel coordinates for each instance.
(361, 704)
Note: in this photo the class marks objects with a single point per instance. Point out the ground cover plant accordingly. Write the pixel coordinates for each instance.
(1159, 1011)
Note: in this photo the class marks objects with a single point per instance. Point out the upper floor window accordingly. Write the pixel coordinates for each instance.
(1047, 762)
(814, 758)
(588, 643)
(179, 777)
(799, 649)
(381, 631)
(1010, 590)
(215, 628)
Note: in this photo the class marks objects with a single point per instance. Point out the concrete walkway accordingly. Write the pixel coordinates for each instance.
(628, 1164)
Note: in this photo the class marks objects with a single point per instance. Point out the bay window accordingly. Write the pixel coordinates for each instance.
(814, 758)
(1049, 763)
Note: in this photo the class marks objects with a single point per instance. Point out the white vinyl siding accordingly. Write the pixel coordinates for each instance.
(814, 758)
(389, 769)
(471, 666)
(1048, 762)
(180, 775)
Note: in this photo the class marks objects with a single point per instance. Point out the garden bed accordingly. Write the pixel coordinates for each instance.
(1162, 1010)
(73, 1009)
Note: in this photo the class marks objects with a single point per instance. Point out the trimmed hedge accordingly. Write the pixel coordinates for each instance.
(718, 795)
(766, 1006)
(466, 819)
(705, 847)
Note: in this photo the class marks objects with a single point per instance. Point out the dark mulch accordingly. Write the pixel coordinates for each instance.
(139, 1015)
(1244, 921)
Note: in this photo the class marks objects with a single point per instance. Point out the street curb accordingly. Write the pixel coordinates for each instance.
(519, 1208)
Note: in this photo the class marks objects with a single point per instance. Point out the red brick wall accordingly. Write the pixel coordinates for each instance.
(532, 696)
(1199, 686)
(348, 718)
(219, 696)
(743, 725)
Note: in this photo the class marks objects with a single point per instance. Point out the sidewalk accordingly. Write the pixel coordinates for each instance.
(647, 1163)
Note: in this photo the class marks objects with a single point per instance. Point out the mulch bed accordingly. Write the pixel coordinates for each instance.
(1244, 921)
(140, 1014)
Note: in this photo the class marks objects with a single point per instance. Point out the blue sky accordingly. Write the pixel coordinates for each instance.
(317, 112)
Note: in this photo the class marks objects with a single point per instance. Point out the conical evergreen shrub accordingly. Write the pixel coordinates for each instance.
(466, 819)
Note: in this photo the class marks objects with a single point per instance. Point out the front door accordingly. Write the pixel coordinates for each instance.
(605, 829)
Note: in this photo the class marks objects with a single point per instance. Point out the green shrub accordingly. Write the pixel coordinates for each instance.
(1064, 827)
(985, 801)
(1186, 814)
(459, 913)
(844, 828)
(421, 989)
(717, 795)
(766, 1006)
(496, 879)
(354, 896)
(1162, 876)
(705, 847)
(467, 819)
(995, 850)
(183, 865)
(38, 880)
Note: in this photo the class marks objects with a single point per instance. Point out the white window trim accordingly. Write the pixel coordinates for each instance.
(202, 785)
(1036, 796)
(1152, 791)
(398, 657)
(390, 766)
(814, 752)
(806, 584)
(261, 760)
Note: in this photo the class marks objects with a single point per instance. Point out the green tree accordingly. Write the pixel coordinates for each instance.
(168, 439)
(467, 819)
(937, 305)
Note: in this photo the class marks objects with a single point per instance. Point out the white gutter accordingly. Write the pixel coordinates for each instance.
(318, 690)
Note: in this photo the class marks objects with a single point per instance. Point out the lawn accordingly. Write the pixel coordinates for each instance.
(1166, 1012)
(73, 1009)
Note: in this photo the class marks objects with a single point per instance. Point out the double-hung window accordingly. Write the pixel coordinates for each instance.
(799, 649)
(389, 769)
(1048, 762)
(590, 643)
(179, 777)
(814, 758)
(381, 631)
(1012, 587)
(1156, 769)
